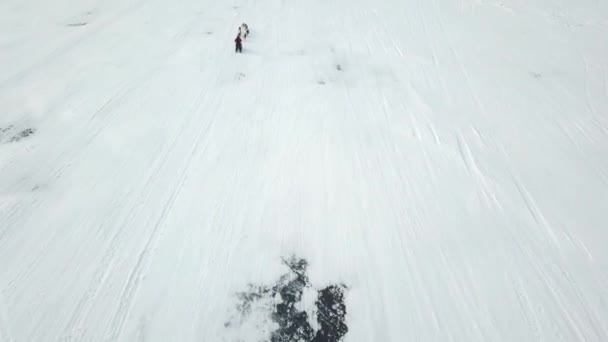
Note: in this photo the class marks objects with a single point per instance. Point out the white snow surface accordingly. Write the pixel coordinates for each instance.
(446, 160)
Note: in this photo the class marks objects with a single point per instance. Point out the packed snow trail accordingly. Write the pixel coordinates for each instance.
(436, 170)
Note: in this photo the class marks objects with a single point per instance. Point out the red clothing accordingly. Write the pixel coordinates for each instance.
(239, 45)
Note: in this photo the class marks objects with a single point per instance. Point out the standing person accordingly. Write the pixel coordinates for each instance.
(239, 44)
(244, 30)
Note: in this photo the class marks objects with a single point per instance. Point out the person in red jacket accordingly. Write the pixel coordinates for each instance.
(239, 43)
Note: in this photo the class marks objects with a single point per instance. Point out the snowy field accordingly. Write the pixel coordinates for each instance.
(367, 170)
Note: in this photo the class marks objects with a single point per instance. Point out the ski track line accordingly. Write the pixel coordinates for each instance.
(5, 332)
(527, 309)
(591, 316)
(129, 293)
(586, 250)
(107, 112)
(29, 268)
(525, 245)
(103, 269)
(501, 6)
(65, 48)
(386, 34)
(447, 94)
(132, 286)
(473, 168)
(589, 99)
(458, 59)
(65, 162)
(379, 38)
(543, 269)
(461, 293)
(597, 122)
(605, 75)
(109, 107)
(420, 292)
(396, 46)
(535, 211)
(66, 158)
(430, 169)
(9, 213)
(589, 160)
(585, 131)
(491, 333)
(114, 100)
(102, 272)
(482, 139)
(425, 109)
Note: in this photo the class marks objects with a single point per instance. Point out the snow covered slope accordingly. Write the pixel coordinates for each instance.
(437, 170)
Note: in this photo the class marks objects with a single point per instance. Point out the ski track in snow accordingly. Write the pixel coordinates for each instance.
(441, 185)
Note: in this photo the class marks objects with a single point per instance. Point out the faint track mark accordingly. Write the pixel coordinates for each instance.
(535, 211)
(471, 165)
(5, 332)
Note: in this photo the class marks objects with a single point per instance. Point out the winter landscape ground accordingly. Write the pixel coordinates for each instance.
(367, 170)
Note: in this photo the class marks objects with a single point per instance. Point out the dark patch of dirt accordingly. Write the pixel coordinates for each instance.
(6, 129)
(22, 135)
(331, 315)
(294, 323)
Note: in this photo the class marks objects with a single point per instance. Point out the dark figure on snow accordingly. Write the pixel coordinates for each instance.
(239, 44)
(244, 30)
